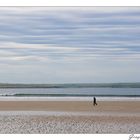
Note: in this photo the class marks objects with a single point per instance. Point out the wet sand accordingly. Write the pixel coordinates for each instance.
(76, 106)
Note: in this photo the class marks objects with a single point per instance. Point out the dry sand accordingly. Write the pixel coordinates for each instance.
(76, 117)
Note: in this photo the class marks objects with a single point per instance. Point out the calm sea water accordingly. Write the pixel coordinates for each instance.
(118, 92)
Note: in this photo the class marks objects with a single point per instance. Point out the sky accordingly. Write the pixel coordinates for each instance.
(69, 44)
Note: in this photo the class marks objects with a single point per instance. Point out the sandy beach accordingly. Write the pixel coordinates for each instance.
(76, 106)
(69, 117)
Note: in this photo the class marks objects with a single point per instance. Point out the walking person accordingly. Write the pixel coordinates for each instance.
(94, 101)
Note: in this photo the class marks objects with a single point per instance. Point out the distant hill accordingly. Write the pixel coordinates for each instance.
(73, 85)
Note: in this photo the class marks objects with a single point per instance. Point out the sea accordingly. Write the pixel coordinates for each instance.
(70, 92)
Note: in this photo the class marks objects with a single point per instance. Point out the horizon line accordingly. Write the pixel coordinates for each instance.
(74, 83)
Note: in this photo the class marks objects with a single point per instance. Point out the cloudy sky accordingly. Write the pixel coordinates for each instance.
(69, 44)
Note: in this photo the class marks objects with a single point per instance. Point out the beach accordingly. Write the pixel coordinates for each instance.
(69, 116)
(56, 62)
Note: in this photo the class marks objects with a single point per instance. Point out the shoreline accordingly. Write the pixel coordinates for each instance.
(10, 98)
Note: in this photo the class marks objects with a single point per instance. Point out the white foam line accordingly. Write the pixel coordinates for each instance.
(62, 113)
(45, 98)
(69, 98)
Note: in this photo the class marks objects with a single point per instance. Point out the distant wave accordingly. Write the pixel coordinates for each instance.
(66, 95)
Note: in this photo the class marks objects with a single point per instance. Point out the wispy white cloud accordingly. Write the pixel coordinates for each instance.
(92, 40)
